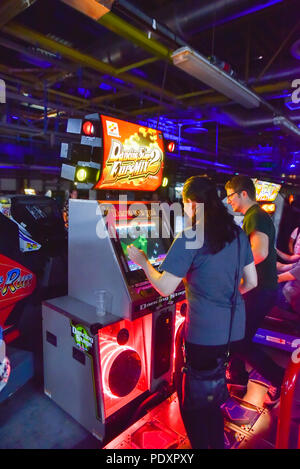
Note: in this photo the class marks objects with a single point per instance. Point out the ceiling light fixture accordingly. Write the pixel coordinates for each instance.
(199, 67)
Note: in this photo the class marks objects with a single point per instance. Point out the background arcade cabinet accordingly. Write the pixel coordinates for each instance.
(269, 198)
(29, 229)
(280, 328)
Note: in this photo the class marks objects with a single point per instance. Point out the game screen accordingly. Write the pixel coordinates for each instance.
(144, 236)
(266, 191)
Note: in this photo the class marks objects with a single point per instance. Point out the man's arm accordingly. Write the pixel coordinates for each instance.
(284, 267)
(249, 278)
(288, 257)
(260, 246)
(285, 277)
(291, 245)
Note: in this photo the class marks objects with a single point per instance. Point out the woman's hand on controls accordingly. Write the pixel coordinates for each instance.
(137, 255)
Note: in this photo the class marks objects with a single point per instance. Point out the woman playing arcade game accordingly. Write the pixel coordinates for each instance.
(212, 271)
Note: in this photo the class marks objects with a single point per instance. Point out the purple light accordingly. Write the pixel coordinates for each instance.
(105, 86)
(247, 12)
(84, 92)
(292, 106)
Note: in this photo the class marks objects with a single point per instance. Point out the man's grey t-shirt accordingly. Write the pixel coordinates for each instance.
(209, 282)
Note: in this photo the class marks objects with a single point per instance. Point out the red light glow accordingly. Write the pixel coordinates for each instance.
(109, 353)
(124, 372)
(88, 128)
(171, 147)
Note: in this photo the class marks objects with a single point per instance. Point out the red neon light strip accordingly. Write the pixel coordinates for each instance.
(286, 401)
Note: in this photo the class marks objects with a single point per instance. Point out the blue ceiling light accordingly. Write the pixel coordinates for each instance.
(84, 92)
(39, 63)
(292, 106)
(138, 72)
(118, 80)
(194, 130)
(105, 87)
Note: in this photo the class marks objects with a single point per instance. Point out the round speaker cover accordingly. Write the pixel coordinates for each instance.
(125, 373)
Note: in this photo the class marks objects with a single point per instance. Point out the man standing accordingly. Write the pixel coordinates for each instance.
(257, 224)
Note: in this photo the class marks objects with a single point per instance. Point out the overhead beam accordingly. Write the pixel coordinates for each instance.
(126, 30)
(209, 97)
(33, 37)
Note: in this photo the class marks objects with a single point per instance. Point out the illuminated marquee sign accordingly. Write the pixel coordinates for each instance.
(133, 156)
(16, 282)
(266, 191)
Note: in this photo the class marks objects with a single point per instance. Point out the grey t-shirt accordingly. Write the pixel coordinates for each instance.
(209, 283)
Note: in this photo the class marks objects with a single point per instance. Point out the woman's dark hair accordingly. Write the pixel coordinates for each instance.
(219, 225)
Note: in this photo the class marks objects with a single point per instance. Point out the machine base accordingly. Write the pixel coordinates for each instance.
(22, 370)
(247, 423)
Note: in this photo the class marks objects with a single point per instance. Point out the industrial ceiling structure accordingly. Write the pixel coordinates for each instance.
(70, 58)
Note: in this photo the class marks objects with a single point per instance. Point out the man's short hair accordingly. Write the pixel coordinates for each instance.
(241, 183)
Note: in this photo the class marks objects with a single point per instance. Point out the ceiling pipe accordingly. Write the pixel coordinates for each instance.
(33, 37)
(247, 122)
(194, 18)
(70, 68)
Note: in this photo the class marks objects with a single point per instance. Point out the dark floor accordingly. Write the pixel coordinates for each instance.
(31, 420)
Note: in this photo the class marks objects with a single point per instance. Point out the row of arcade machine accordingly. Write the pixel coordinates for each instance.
(33, 266)
(117, 363)
(281, 328)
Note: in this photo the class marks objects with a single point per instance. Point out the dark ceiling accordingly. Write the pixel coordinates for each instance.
(59, 63)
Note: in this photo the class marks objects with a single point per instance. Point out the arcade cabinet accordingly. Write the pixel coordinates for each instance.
(113, 361)
(117, 358)
(269, 198)
(28, 237)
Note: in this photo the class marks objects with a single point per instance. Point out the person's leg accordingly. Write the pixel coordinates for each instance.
(258, 304)
(196, 424)
(216, 428)
(237, 373)
(282, 302)
(202, 393)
